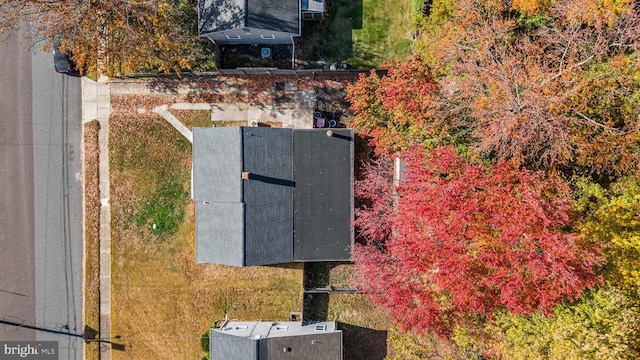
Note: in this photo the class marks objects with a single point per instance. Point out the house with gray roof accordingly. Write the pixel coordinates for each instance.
(272, 195)
(275, 340)
(255, 21)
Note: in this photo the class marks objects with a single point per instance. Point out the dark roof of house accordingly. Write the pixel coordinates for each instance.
(256, 221)
(323, 195)
(268, 195)
(220, 15)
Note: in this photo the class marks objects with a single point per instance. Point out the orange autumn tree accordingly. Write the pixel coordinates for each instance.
(607, 106)
(464, 240)
(128, 36)
(395, 110)
(519, 81)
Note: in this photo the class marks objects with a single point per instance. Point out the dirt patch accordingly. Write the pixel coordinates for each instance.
(92, 238)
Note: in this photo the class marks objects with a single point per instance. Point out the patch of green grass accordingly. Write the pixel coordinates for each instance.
(204, 344)
(365, 33)
(315, 275)
(385, 33)
(315, 307)
(163, 210)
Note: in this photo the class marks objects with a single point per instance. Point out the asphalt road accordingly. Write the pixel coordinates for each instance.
(44, 183)
(17, 267)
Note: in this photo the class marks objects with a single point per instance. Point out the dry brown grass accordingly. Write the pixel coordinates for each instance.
(131, 104)
(364, 326)
(221, 123)
(366, 336)
(162, 301)
(92, 235)
(193, 118)
(356, 309)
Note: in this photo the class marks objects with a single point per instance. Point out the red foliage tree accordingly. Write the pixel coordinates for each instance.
(375, 192)
(466, 239)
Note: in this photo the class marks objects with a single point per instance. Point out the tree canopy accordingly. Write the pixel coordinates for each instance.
(602, 325)
(508, 113)
(127, 36)
(613, 218)
(547, 84)
(464, 240)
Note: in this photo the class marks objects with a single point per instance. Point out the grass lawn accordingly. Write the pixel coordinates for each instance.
(365, 33)
(162, 301)
(193, 118)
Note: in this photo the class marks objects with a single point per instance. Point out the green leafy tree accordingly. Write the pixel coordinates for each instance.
(604, 324)
(614, 219)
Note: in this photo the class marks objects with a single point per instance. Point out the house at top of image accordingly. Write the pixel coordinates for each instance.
(262, 340)
(272, 195)
(255, 21)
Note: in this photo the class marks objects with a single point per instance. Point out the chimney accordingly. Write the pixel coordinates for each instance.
(329, 133)
(246, 175)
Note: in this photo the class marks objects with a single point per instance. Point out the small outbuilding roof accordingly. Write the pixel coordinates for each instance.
(276, 340)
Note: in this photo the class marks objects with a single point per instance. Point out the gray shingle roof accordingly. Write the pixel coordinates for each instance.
(224, 346)
(218, 178)
(282, 15)
(243, 222)
(220, 239)
(220, 15)
(268, 195)
(297, 204)
(217, 189)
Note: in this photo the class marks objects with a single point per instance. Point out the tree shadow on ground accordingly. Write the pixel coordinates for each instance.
(315, 307)
(360, 343)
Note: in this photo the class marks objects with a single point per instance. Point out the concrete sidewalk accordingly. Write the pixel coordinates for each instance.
(96, 105)
(294, 112)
